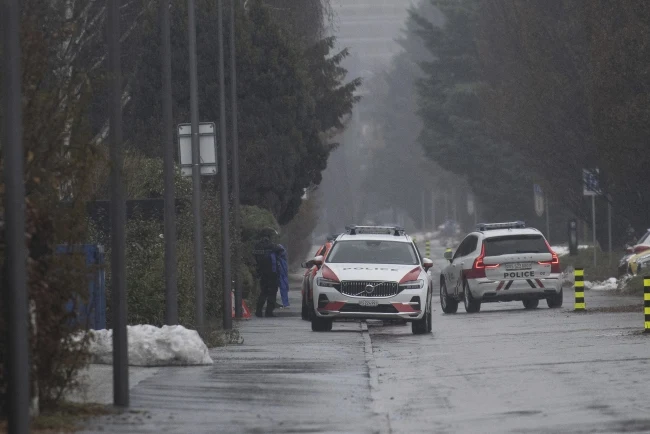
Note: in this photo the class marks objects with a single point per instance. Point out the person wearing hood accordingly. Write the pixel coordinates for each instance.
(266, 253)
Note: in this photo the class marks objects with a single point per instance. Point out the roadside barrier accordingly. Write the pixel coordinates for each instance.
(646, 303)
(579, 287)
(427, 250)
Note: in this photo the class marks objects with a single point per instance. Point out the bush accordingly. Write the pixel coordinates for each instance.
(145, 255)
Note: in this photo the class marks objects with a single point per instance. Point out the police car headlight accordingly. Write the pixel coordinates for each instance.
(413, 284)
(326, 283)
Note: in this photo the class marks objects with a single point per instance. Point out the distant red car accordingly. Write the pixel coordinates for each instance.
(308, 280)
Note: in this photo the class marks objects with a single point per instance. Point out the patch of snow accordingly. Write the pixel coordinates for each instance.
(564, 250)
(606, 285)
(153, 346)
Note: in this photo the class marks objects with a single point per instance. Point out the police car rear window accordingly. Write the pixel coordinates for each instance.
(373, 252)
(513, 244)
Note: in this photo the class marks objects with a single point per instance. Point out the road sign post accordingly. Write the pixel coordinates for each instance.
(591, 188)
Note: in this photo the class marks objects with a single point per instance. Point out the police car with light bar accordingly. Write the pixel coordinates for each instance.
(501, 262)
(372, 272)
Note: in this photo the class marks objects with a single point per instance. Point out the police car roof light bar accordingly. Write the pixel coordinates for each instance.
(481, 227)
(395, 230)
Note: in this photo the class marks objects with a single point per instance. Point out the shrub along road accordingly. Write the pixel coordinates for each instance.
(502, 370)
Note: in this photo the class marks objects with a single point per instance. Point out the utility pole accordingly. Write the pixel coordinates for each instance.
(225, 214)
(196, 172)
(424, 223)
(171, 275)
(433, 211)
(118, 214)
(593, 225)
(235, 161)
(15, 293)
(548, 223)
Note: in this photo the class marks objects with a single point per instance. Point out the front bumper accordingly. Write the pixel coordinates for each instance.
(487, 290)
(407, 305)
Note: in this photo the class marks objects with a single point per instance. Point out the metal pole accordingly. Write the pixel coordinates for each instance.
(225, 214)
(171, 275)
(15, 292)
(118, 214)
(196, 172)
(593, 224)
(548, 224)
(433, 211)
(424, 224)
(235, 161)
(609, 230)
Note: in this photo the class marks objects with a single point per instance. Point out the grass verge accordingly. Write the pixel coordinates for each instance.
(64, 418)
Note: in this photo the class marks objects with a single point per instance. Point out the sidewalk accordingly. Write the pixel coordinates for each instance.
(283, 378)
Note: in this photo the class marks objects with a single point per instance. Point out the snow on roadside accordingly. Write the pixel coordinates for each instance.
(564, 250)
(606, 285)
(153, 346)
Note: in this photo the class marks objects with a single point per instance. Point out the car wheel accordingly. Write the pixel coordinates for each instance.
(531, 304)
(319, 324)
(471, 305)
(422, 326)
(555, 300)
(447, 303)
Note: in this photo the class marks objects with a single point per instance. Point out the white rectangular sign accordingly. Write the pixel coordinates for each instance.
(207, 148)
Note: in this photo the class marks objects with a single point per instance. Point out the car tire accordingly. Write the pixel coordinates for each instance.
(319, 324)
(447, 303)
(471, 305)
(555, 301)
(530, 304)
(423, 326)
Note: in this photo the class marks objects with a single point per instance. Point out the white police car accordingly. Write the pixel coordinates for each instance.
(373, 272)
(501, 262)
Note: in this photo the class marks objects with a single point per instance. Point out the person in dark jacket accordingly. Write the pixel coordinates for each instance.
(266, 252)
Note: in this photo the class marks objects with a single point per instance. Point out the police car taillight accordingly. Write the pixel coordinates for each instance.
(478, 268)
(555, 261)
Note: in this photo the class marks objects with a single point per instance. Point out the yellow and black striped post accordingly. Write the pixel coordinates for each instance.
(646, 303)
(427, 250)
(579, 288)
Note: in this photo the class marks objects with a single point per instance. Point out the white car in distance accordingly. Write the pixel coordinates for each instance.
(501, 262)
(373, 272)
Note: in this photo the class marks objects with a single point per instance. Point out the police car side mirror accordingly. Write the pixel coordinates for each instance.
(427, 263)
(318, 261)
(449, 254)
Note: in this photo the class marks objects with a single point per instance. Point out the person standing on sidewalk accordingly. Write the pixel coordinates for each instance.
(266, 252)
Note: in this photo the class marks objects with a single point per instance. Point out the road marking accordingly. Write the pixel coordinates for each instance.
(373, 375)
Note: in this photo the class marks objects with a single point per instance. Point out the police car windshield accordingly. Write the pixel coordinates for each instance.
(373, 252)
(511, 244)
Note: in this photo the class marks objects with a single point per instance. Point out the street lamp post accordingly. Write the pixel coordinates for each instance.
(171, 274)
(196, 174)
(118, 214)
(235, 161)
(15, 292)
(225, 214)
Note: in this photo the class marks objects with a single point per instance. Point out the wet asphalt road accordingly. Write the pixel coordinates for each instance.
(503, 370)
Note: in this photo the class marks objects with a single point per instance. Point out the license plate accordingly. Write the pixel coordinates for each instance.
(368, 303)
(519, 266)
